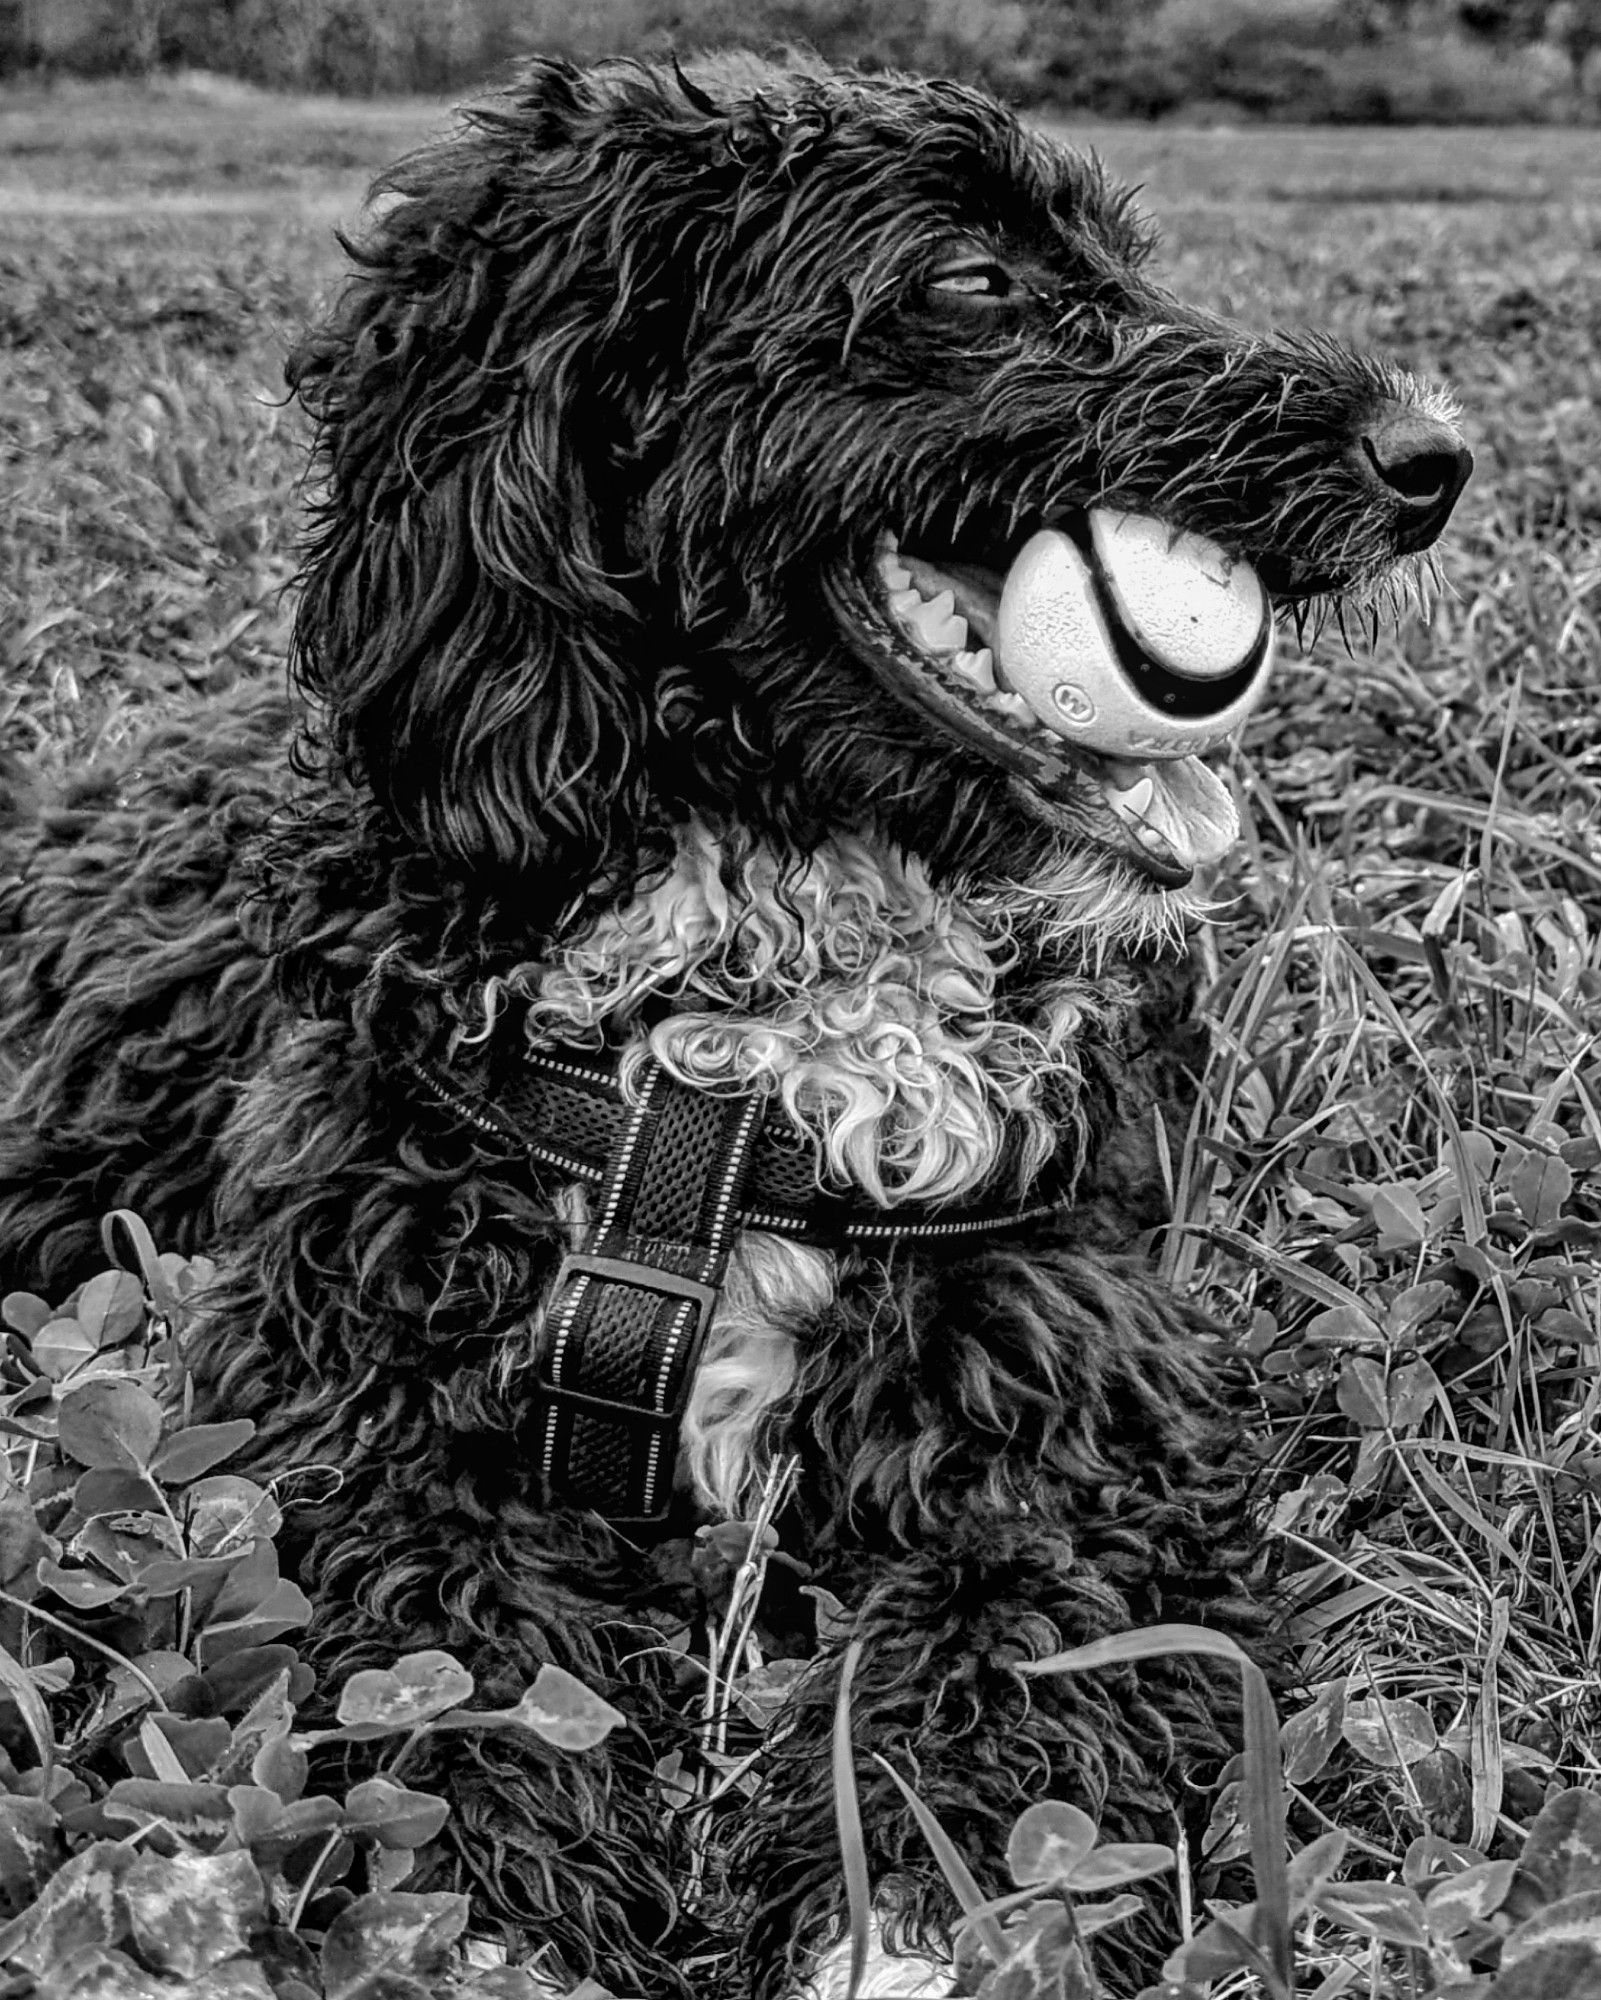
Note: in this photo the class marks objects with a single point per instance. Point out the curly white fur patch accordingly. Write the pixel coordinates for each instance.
(862, 997)
(865, 1000)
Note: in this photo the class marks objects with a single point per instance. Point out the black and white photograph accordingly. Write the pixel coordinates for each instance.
(800, 999)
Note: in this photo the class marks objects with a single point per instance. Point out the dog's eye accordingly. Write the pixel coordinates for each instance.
(980, 282)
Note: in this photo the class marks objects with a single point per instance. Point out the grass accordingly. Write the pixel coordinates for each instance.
(1390, 1179)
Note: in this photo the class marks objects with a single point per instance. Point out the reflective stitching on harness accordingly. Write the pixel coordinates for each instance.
(569, 1312)
(607, 1080)
(498, 1128)
(653, 1451)
(959, 1228)
(742, 1137)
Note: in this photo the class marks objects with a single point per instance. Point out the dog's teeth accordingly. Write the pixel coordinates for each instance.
(890, 544)
(905, 602)
(1012, 706)
(895, 574)
(937, 626)
(977, 669)
(1136, 800)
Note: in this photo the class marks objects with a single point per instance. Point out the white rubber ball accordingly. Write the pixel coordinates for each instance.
(1054, 649)
(1192, 607)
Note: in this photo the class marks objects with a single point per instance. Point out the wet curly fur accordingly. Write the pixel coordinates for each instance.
(628, 370)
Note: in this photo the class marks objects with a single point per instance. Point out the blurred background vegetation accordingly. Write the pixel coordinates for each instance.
(1340, 61)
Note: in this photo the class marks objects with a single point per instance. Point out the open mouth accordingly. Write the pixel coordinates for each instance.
(1108, 656)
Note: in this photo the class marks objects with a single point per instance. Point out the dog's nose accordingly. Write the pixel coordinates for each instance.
(1423, 465)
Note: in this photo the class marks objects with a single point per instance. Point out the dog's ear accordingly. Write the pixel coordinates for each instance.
(469, 622)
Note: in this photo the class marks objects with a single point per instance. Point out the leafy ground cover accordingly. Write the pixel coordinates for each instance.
(1390, 1182)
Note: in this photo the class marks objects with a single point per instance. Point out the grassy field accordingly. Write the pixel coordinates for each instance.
(1390, 1182)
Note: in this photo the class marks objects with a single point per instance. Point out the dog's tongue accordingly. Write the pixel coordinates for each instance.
(1180, 814)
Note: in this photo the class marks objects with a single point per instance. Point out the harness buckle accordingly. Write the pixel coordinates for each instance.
(644, 1278)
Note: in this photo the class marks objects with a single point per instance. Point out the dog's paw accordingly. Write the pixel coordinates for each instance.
(913, 1978)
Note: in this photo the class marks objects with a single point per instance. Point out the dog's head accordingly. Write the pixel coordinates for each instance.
(664, 410)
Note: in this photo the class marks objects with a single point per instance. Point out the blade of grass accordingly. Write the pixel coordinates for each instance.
(1249, 1005)
(1300, 1277)
(1373, 1588)
(156, 1281)
(848, 1819)
(1146, 1642)
(18, 1683)
(957, 1872)
(1486, 1759)
(1474, 1225)
(1517, 830)
(1498, 786)
(1263, 1794)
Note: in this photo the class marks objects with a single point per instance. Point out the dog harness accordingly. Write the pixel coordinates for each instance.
(677, 1173)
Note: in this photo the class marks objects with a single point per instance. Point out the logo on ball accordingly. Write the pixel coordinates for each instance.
(1074, 703)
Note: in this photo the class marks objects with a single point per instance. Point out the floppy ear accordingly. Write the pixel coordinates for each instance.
(470, 619)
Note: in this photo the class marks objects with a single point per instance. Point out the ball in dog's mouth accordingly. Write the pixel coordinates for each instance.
(1109, 656)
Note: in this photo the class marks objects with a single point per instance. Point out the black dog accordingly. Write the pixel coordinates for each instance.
(669, 892)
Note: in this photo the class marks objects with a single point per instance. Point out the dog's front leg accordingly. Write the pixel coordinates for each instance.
(1009, 1453)
(575, 1854)
(937, 1697)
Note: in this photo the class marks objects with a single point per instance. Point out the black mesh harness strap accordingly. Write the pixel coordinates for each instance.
(678, 1173)
(629, 1314)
